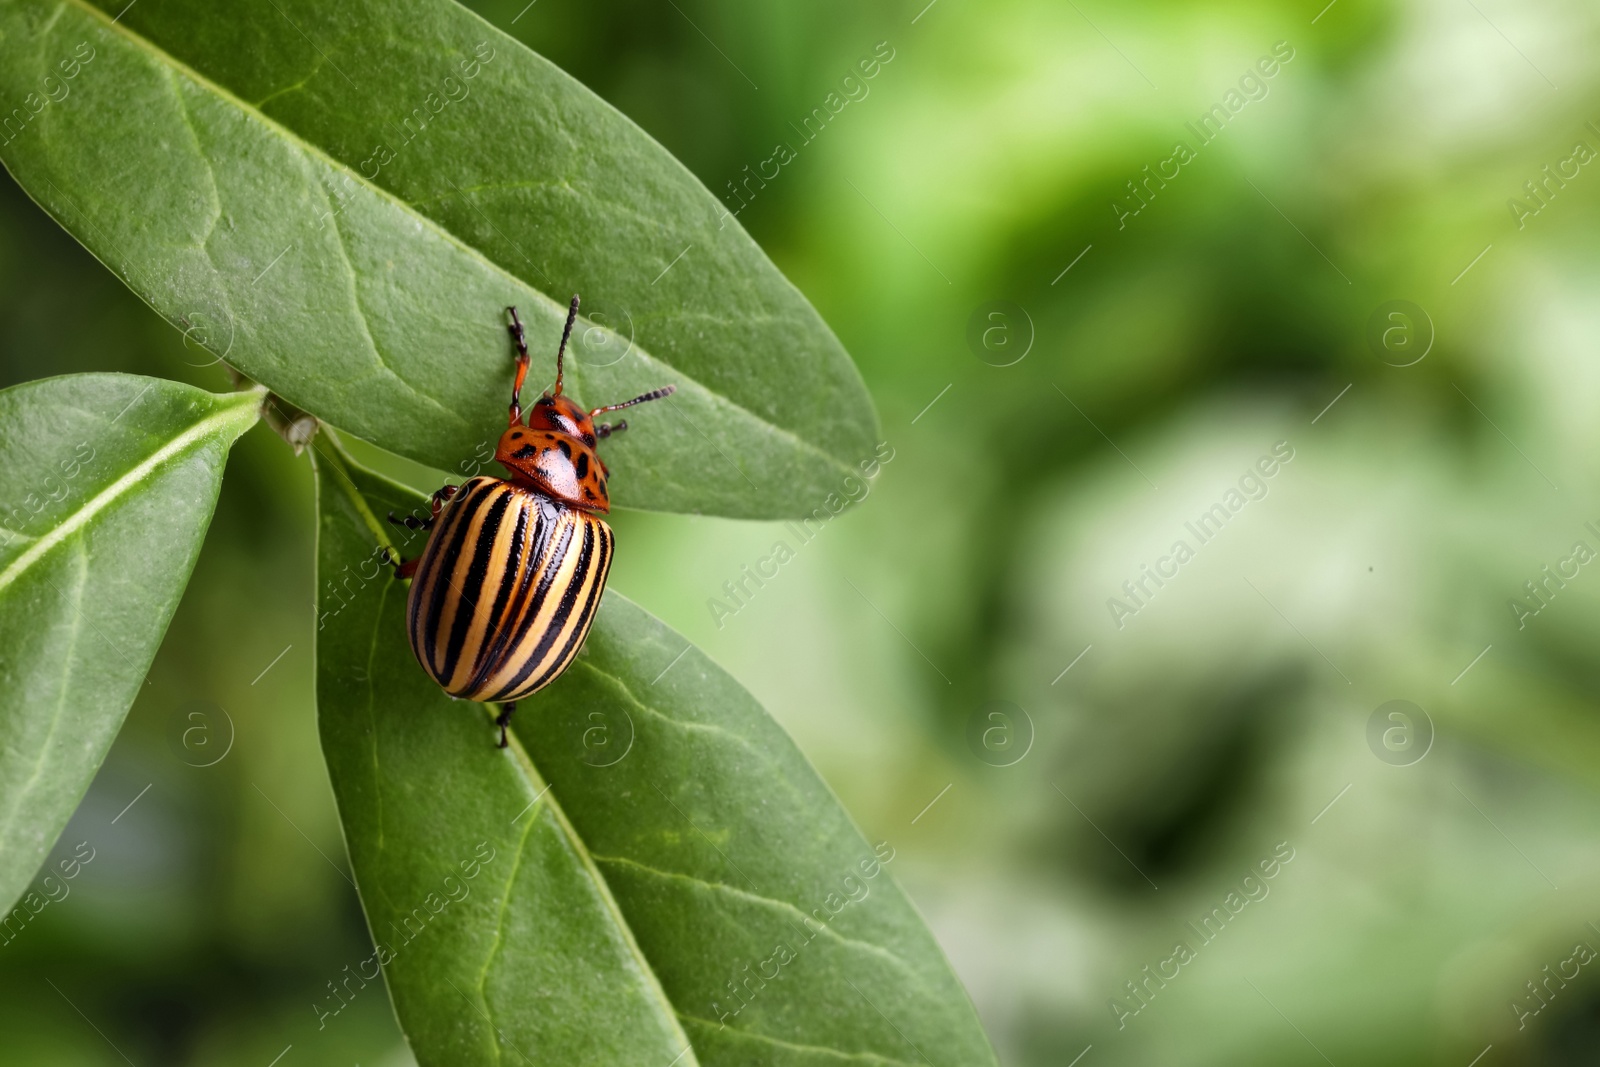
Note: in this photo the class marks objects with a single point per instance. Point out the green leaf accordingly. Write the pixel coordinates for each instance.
(341, 200)
(107, 483)
(657, 838)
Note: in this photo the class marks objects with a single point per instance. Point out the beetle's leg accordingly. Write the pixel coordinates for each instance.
(440, 498)
(504, 719)
(519, 339)
(605, 429)
(406, 568)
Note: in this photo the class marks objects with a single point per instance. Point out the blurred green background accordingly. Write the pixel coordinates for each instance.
(1440, 874)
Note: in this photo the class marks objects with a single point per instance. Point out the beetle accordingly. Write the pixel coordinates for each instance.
(504, 591)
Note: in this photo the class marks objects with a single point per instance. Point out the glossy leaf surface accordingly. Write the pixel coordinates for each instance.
(667, 863)
(342, 199)
(107, 485)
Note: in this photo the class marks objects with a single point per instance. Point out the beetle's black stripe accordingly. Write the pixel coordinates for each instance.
(536, 520)
(512, 570)
(471, 588)
(505, 582)
(526, 641)
(544, 566)
(443, 549)
(549, 569)
(437, 593)
(421, 605)
(537, 663)
(579, 629)
(555, 530)
(535, 575)
(540, 654)
(506, 590)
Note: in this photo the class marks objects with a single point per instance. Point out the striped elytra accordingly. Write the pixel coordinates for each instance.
(507, 586)
(506, 590)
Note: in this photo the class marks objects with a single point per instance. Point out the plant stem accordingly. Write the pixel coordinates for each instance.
(328, 449)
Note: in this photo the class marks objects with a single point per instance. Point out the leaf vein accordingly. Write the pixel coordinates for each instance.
(746, 743)
(706, 727)
(839, 1054)
(366, 327)
(500, 925)
(314, 151)
(204, 243)
(783, 905)
(287, 89)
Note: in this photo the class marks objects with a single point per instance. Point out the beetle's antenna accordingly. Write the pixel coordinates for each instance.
(572, 316)
(654, 394)
(521, 342)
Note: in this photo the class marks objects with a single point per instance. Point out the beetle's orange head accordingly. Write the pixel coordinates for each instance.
(552, 411)
(554, 448)
(556, 463)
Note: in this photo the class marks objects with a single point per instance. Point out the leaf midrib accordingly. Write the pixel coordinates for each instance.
(162, 56)
(580, 847)
(67, 666)
(339, 462)
(232, 411)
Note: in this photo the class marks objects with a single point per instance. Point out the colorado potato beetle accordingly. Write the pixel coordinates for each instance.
(507, 585)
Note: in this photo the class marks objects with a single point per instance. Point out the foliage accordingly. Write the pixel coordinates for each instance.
(227, 170)
(1227, 315)
(605, 939)
(657, 863)
(108, 482)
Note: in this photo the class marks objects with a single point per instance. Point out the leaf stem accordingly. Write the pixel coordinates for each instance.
(339, 461)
